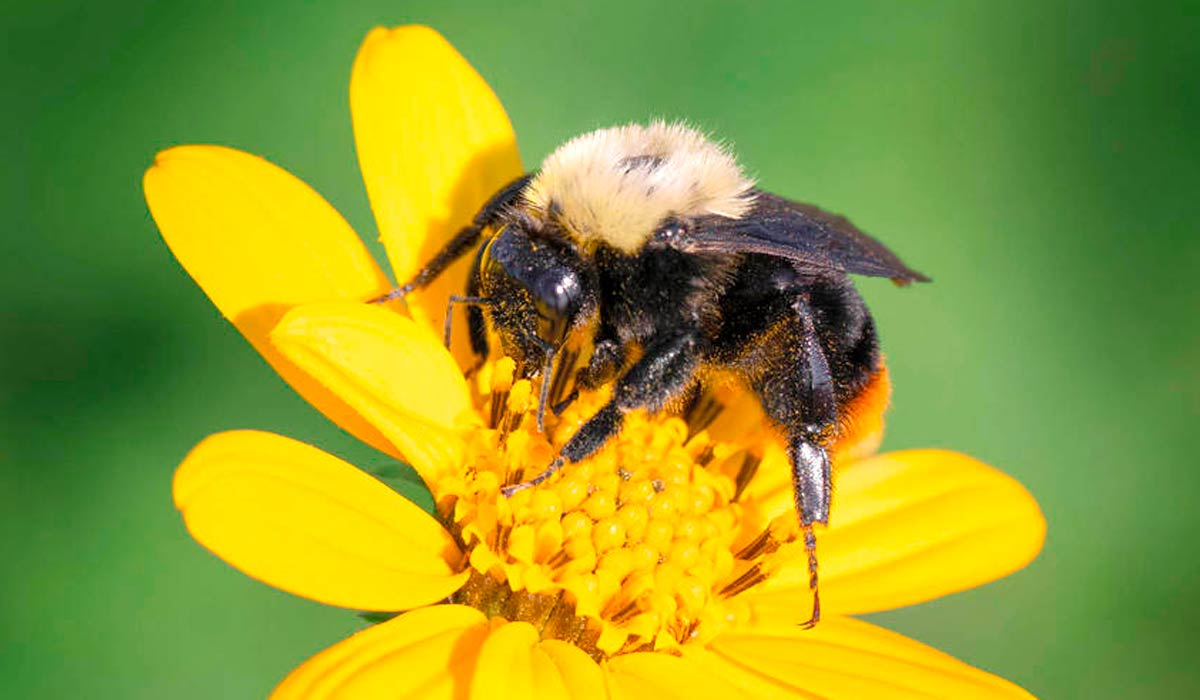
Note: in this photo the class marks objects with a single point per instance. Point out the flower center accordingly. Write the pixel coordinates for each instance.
(642, 546)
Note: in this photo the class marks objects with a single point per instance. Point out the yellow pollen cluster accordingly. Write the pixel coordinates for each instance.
(642, 546)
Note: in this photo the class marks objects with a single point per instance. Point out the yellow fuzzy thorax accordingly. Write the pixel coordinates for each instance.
(642, 546)
(615, 185)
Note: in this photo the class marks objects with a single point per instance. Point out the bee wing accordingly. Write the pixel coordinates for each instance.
(801, 232)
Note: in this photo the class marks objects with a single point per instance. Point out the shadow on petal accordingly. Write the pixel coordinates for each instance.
(391, 370)
(434, 144)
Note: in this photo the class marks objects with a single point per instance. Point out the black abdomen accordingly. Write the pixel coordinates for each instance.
(757, 335)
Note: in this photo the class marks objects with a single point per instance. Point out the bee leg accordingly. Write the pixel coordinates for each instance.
(465, 240)
(603, 365)
(811, 481)
(476, 327)
(811, 473)
(561, 406)
(810, 546)
(665, 370)
(797, 392)
(462, 242)
(470, 302)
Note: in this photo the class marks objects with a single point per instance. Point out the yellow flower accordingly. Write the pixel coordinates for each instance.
(665, 566)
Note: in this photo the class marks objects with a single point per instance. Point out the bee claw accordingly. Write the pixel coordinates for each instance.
(557, 464)
(558, 408)
(810, 545)
(509, 491)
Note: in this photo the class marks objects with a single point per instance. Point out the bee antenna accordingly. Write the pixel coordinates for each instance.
(810, 546)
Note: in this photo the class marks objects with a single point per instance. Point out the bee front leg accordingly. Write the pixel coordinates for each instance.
(464, 241)
(665, 370)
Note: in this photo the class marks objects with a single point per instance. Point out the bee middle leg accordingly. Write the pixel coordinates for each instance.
(664, 371)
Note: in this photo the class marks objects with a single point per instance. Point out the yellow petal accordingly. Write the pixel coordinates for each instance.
(907, 527)
(580, 675)
(391, 370)
(659, 676)
(752, 684)
(258, 241)
(505, 668)
(434, 145)
(513, 664)
(427, 653)
(304, 521)
(846, 658)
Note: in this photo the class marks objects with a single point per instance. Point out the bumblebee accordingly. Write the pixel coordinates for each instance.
(651, 240)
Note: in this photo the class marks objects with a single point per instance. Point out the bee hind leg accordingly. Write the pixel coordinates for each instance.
(811, 481)
(797, 393)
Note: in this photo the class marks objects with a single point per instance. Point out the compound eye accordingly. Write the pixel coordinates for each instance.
(543, 284)
(557, 292)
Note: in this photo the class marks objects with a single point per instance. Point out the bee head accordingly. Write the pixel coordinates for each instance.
(540, 291)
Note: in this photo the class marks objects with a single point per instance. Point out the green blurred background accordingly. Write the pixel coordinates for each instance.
(1039, 159)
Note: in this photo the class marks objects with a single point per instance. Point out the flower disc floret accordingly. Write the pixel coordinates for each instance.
(641, 546)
